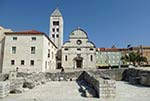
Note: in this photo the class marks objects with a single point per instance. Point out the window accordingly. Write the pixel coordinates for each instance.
(78, 49)
(14, 49)
(53, 29)
(56, 23)
(45, 64)
(91, 49)
(32, 62)
(48, 43)
(79, 42)
(66, 49)
(57, 36)
(12, 62)
(32, 50)
(91, 58)
(53, 35)
(48, 53)
(57, 29)
(33, 38)
(14, 38)
(22, 62)
(52, 55)
(65, 57)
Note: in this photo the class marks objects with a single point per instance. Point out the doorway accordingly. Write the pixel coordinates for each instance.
(79, 63)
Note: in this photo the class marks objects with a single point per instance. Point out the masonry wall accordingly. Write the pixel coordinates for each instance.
(49, 62)
(84, 52)
(23, 52)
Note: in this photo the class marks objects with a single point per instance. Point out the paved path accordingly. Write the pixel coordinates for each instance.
(68, 91)
(51, 90)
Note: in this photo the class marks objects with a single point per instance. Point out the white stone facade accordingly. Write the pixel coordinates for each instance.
(78, 52)
(2, 40)
(30, 51)
(56, 28)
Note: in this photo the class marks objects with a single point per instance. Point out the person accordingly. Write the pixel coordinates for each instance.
(62, 69)
(17, 69)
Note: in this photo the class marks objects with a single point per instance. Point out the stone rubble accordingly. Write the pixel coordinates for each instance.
(97, 87)
(107, 88)
(4, 88)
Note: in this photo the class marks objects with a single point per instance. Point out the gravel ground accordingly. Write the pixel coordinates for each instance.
(68, 91)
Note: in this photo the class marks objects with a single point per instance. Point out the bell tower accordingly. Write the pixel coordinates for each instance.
(56, 28)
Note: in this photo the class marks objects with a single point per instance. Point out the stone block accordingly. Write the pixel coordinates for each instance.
(12, 75)
(16, 85)
(145, 80)
(90, 92)
(29, 83)
(4, 88)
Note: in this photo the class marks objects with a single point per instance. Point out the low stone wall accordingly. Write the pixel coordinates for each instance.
(103, 88)
(137, 76)
(3, 77)
(107, 88)
(115, 74)
(4, 88)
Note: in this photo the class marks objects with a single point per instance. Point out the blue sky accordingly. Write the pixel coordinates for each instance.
(107, 22)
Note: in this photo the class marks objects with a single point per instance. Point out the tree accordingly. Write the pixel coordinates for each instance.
(134, 58)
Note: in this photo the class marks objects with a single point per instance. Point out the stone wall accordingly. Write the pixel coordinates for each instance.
(4, 88)
(97, 87)
(115, 74)
(3, 77)
(107, 88)
(137, 76)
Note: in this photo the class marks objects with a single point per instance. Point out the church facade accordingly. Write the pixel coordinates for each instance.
(78, 52)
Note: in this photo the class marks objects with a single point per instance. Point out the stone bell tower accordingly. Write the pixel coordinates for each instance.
(56, 28)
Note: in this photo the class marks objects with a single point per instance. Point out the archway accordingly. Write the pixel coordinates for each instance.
(78, 62)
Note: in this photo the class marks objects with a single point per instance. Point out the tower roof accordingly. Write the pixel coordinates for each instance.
(56, 12)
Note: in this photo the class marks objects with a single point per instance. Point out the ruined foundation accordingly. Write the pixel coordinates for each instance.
(101, 87)
(4, 88)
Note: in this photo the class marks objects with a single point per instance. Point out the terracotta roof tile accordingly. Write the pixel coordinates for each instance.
(110, 49)
(26, 32)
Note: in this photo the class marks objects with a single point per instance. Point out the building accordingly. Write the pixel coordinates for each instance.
(108, 57)
(2, 40)
(143, 51)
(56, 28)
(56, 33)
(78, 52)
(29, 51)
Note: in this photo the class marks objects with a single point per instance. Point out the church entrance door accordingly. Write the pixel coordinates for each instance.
(79, 63)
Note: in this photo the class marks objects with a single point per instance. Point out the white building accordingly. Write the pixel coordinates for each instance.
(30, 51)
(78, 52)
(2, 40)
(56, 28)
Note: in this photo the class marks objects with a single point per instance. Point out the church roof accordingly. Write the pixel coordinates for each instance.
(56, 12)
(78, 33)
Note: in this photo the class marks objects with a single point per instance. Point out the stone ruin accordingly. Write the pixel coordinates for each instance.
(4, 88)
(91, 86)
(19, 82)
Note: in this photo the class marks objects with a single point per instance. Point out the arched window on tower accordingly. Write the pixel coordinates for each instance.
(65, 57)
(91, 57)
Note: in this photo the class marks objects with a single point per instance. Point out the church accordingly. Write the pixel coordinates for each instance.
(35, 51)
(78, 52)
